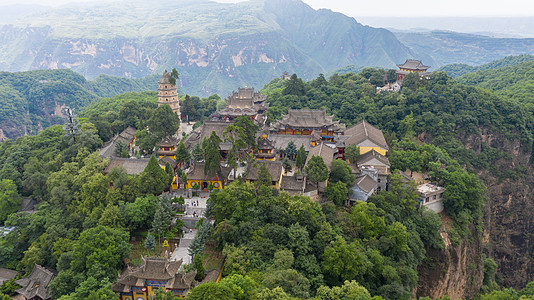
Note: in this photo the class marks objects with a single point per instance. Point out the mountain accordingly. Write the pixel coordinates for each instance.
(215, 47)
(447, 47)
(457, 70)
(31, 101)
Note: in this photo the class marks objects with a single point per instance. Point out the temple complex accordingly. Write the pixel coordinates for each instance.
(168, 93)
(411, 66)
(307, 122)
(244, 102)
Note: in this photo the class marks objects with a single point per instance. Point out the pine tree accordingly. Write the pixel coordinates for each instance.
(182, 154)
(153, 179)
(316, 169)
(291, 150)
(212, 153)
(286, 164)
(199, 242)
(120, 148)
(301, 157)
(264, 176)
(150, 242)
(199, 267)
(198, 153)
(188, 109)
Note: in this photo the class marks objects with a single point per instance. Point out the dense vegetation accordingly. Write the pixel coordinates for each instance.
(515, 82)
(276, 245)
(457, 70)
(31, 101)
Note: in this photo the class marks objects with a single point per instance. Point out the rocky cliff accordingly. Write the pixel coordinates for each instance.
(509, 214)
(456, 271)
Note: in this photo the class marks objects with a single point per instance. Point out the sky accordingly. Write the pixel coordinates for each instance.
(404, 8)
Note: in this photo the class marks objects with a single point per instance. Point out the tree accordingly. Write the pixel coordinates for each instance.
(243, 287)
(188, 109)
(248, 135)
(291, 150)
(150, 242)
(352, 153)
(118, 176)
(153, 179)
(170, 173)
(9, 199)
(161, 294)
(264, 176)
(344, 261)
(286, 164)
(349, 290)
(337, 192)
(316, 169)
(163, 215)
(199, 267)
(301, 157)
(199, 242)
(182, 154)
(236, 136)
(174, 76)
(164, 122)
(210, 290)
(294, 283)
(294, 86)
(341, 172)
(212, 153)
(121, 148)
(198, 153)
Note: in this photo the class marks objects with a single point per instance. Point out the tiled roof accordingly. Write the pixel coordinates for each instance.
(196, 172)
(368, 156)
(183, 281)
(132, 166)
(290, 183)
(198, 135)
(6, 274)
(281, 141)
(413, 64)
(164, 160)
(362, 131)
(275, 169)
(168, 141)
(306, 118)
(366, 183)
(324, 151)
(36, 284)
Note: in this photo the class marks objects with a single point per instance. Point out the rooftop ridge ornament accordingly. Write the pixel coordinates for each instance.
(72, 127)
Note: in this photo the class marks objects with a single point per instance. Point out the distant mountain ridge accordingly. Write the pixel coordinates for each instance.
(457, 70)
(218, 47)
(215, 47)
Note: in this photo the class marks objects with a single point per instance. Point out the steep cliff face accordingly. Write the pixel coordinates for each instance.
(509, 215)
(456, 271)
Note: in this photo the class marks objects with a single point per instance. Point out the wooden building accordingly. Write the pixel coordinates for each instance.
(266, 150)
(275, 169)
(306, 122)
(244, 102)
(140, 282)
(196, 176)
(36, 285)
(167, 147)
(363, 135)
(411, 66)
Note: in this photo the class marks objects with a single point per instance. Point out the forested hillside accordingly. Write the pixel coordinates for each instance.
(468, 139)
(31, 101)
(457, 70)
(513, 82)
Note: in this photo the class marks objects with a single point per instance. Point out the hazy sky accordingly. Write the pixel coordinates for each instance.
(424, 8)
